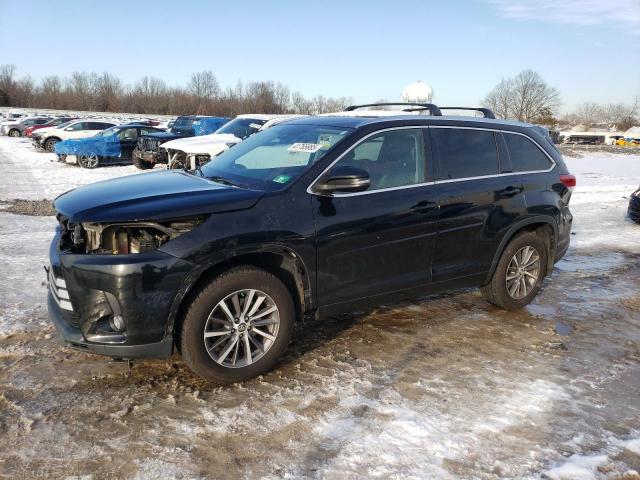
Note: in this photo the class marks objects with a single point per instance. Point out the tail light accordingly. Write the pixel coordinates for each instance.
(568, 181)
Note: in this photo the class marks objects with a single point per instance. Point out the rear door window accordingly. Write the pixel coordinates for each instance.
(525, 155)
(464, 153)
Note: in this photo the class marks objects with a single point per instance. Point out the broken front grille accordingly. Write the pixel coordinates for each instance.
(149, 144)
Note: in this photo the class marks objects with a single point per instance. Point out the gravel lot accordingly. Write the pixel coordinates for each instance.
(445, 387)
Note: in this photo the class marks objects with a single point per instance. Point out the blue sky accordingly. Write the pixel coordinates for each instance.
(367, 50)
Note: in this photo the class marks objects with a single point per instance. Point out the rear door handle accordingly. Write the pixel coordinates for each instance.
(423, 207)
(510, 192)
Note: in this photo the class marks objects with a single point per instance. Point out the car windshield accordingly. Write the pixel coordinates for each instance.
(273, 158)
(183, 124)
(242, 127)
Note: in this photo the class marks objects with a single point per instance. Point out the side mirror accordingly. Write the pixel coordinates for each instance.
(344, 179)
(68, 129)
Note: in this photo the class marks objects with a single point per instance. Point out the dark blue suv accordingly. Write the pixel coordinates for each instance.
(313, 217)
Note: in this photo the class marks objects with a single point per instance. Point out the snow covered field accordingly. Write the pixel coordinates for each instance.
(445, 387)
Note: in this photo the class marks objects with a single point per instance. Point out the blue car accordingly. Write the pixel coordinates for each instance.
(114, 145)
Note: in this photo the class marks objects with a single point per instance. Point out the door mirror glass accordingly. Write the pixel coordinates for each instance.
(344, 179)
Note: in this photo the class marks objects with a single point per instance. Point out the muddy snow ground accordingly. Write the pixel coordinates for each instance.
(445, 387)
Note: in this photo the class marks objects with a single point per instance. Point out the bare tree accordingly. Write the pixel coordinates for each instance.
(623, 116)
(202, 95)
(589, 113)
(526, 97)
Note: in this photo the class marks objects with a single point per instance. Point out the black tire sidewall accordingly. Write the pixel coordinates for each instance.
(14, 132)
(140, 163)
(192, 342)
(50, 144)
(520, 241)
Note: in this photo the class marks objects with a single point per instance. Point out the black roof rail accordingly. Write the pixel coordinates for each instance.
(487, 112)
(433, 109)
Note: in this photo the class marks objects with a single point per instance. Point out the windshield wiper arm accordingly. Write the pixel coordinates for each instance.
(225, 181)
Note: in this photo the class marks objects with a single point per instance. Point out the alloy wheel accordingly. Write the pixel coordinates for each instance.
(241, 328)
(89, 161)
(523, 272)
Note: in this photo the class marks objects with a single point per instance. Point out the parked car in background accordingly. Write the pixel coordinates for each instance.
(314, 217)
(147, 153)
(114, 145)
(193, 152)
(18, 129)
(55, 122)
(47, 138)
(634, 206)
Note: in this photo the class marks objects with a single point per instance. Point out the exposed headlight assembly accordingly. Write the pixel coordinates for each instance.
(120, 238)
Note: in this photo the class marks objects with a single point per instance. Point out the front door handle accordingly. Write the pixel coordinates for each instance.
(509, 192)
(423, 207)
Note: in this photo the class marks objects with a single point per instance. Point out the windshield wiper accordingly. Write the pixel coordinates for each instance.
(225, 181)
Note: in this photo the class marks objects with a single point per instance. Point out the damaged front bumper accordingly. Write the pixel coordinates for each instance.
(122, 306)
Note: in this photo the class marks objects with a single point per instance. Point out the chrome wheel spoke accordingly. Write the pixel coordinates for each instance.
(227, 350)
(256, 305)
(225, 309)
(236, 304)
(255, 343)
(216, 333)
(247, 302)
(247, 350)
(264, 312)
(219, 342)
(264, 322)
(264, 334)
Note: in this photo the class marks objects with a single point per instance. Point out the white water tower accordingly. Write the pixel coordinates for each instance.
(417, 92)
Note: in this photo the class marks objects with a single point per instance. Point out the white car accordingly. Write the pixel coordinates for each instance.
(48, 137)
(193, 152)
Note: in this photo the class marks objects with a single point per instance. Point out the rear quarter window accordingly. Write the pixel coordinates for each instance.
(464, 153)
(525, 155)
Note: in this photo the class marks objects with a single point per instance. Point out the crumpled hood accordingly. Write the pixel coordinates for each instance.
(182, 143)
(155, 196)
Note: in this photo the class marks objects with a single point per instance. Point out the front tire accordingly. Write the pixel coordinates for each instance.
(519, 274)
(50, 144)
(90, 161)
(139, 162)
(237, 326)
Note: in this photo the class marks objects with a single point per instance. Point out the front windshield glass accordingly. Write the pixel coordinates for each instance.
(242, 127)
(273, 158)
(183, 125)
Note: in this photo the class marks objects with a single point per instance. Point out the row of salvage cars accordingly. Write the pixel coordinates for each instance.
(189, 142)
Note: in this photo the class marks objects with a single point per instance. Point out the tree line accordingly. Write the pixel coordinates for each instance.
(528, 98)
(202, 95)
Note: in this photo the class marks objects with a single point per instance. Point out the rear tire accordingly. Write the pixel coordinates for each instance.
(205, 316)
(519, 273)
(139, 162)
(14, 132)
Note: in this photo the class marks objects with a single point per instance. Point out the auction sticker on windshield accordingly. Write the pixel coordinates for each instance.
(305, 147)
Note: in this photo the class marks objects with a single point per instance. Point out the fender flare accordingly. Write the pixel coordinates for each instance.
(196, 275)
(513, 231)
